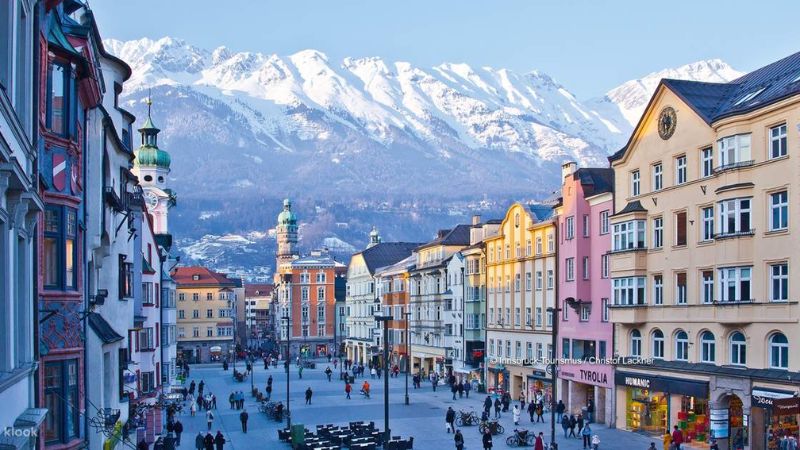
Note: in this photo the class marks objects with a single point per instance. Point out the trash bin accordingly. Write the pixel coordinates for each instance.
(298, 434)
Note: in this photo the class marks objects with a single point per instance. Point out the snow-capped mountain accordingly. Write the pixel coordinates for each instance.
(245, 128)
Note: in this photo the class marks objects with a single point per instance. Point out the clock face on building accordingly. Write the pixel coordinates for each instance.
(151, 199)
(666, 122)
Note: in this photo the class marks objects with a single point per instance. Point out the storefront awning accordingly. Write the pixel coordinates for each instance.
(780, 403)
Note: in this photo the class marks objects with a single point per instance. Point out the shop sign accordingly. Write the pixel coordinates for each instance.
(643, 383)
(719, 423)
(662, 384)
(780, 403)
(593, 376)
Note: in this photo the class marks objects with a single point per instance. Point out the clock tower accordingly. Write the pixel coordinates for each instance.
(152, 168)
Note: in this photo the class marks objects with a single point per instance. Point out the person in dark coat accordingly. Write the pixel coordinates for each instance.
(309, 393)
(531, 409)
(219, 440)
(191, 387)
(497, 407)
(142, 445)
(579, 421)
(449, 419)
(208, 442)
(243, 416)
(560, 408)
(200, 387)
(572, 423)
(540, 412)
(487, 440)
(178, 428)
(487, 404)
(458, 439)
(199, 441)
(454, 390)
(269, 391)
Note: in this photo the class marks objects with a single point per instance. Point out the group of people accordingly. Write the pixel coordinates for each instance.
(209, 442)
(460, 387)
(236, 399)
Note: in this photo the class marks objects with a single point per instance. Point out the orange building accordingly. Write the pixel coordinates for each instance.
(394, 297)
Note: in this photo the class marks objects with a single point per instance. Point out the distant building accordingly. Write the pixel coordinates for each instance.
(257, 318)
(205, 314)
(393, 291)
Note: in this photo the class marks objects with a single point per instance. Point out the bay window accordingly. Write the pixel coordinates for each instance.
(60, 248)
(734, 216)
(735, 284)
(734, 151)
(629, 235)
(56, 117)
(62, 401)
(629, 291)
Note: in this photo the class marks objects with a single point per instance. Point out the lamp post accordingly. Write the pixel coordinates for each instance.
(553, 376)
(288, 340)
(385, 320)
(407, 316)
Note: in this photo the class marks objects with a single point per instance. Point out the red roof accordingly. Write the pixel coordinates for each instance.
(200, 276)
(258, 290)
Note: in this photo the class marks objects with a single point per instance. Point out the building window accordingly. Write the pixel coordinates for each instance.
(629, 291)
(708, 286)
(680, 288)
(528, 316)
(635, 183)
(734, 284)
(777, 141)
(538, 245)
(491, 347)
(320, 277)
(680, 228)
(528, 248)
(210, 295)
(565, 348)
(570, 227)
(738, 349)
(508, 349)
(125, 278)
(708, 224)
(779, 211)
(195, 331)
(584, 313)
(734, 216)
(196, 296)
(517, 316)
(517, 282)
(778, 351)
(550, 279)
(681, 346)
(585, 267)
(60, 248)
(320, 294)
(538, 316)
(629, 235)
(680, 169)
(321, 329)
(604, 310)
(529, 282)
(57, 101)
(779, 282)
(658, 232)
(586, 228)
(604, 266)
(658, 344)
(181, 314)
(708, 347)
(210, 332)
(570, 269)
(304, 294)
(551, 244)
(209, 314)
(734, 151)
(658, 289)
(195, 314)
(61, 400)
(707, 161)
(636, 343)
(658, 177)
(604, 222)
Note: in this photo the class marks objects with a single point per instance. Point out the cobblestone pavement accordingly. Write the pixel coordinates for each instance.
(423, 418)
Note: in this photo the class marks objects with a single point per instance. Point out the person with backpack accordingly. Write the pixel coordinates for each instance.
(459, 440)
(540, 412)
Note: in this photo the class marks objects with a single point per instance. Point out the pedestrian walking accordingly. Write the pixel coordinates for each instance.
(142, 445)
(540, 412)
(580, 422)
(677, 438)
(522, 402)
(219, 440)
(531, 410)
(467, 388)
(454, 390)
(595, 442)
(497, 406)
(208, 441)
(565, 424)
(461, 390)
(199, 441)
(589, 411)
(300, 372)
(487, 405)
(506, 400)
(178, 428)
(458, 439)
(309, 393)
(243, 416)
(269, 391)
(209, 419)
(372, 373)
(539, 443)
(515, 415)
(449, 419)
(572, 423)
(560, 408)
(347, 389)
(192, 408)
(328, 372)
(487, 440)
(200, 387)
(191, 387)
(213, 401)
(586, 432)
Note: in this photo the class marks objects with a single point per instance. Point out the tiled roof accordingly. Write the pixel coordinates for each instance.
(596, 180)
(184, 277)
(103, 329)
(540, 211)
(323, 260)
(757, 89)
(634, 206)
(386, 253)
(457, 236)
(258, 290)
(404, 264)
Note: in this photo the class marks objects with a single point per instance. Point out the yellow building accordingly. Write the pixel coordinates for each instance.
(205, 322)
(521, 285)
(703, 257)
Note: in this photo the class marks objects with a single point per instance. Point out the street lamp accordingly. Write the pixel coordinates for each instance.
(385, 320)
(407, 316)
(553, 376)
(287, 321)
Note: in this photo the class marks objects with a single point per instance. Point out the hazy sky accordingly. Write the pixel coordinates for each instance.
(589, 46)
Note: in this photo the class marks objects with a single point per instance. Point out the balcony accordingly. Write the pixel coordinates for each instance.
(727, 313)
(629, 262)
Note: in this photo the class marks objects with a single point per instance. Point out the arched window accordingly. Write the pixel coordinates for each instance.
(636, 343)
(658, 344)
(778, 351)
(738, 349)
(708, 347)
(681, 346)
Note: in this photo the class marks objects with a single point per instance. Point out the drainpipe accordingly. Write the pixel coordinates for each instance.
(86, 275)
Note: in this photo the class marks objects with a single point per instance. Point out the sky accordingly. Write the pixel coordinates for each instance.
(589, 46)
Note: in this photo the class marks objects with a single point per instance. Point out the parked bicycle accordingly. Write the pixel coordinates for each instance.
(492, 425)
(521, 438)
(467, 418)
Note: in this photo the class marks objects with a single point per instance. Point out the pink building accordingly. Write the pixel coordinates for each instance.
(584, 331)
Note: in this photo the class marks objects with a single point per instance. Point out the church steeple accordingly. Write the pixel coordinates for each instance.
(374, 238)
(286, 234)
(152, 165)
(148, 153)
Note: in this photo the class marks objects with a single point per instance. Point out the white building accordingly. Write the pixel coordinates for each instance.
(19, 206)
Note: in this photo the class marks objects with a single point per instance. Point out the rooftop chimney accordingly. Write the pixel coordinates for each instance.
(568, 168)
(476, 219)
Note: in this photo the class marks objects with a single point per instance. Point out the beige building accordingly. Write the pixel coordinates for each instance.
(521, 285)
(205, 314)
(702, 260)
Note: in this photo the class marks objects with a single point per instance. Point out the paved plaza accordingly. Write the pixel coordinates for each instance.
(423, 418)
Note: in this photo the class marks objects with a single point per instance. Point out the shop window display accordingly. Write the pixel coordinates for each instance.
(647, 410)
(693, 419)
